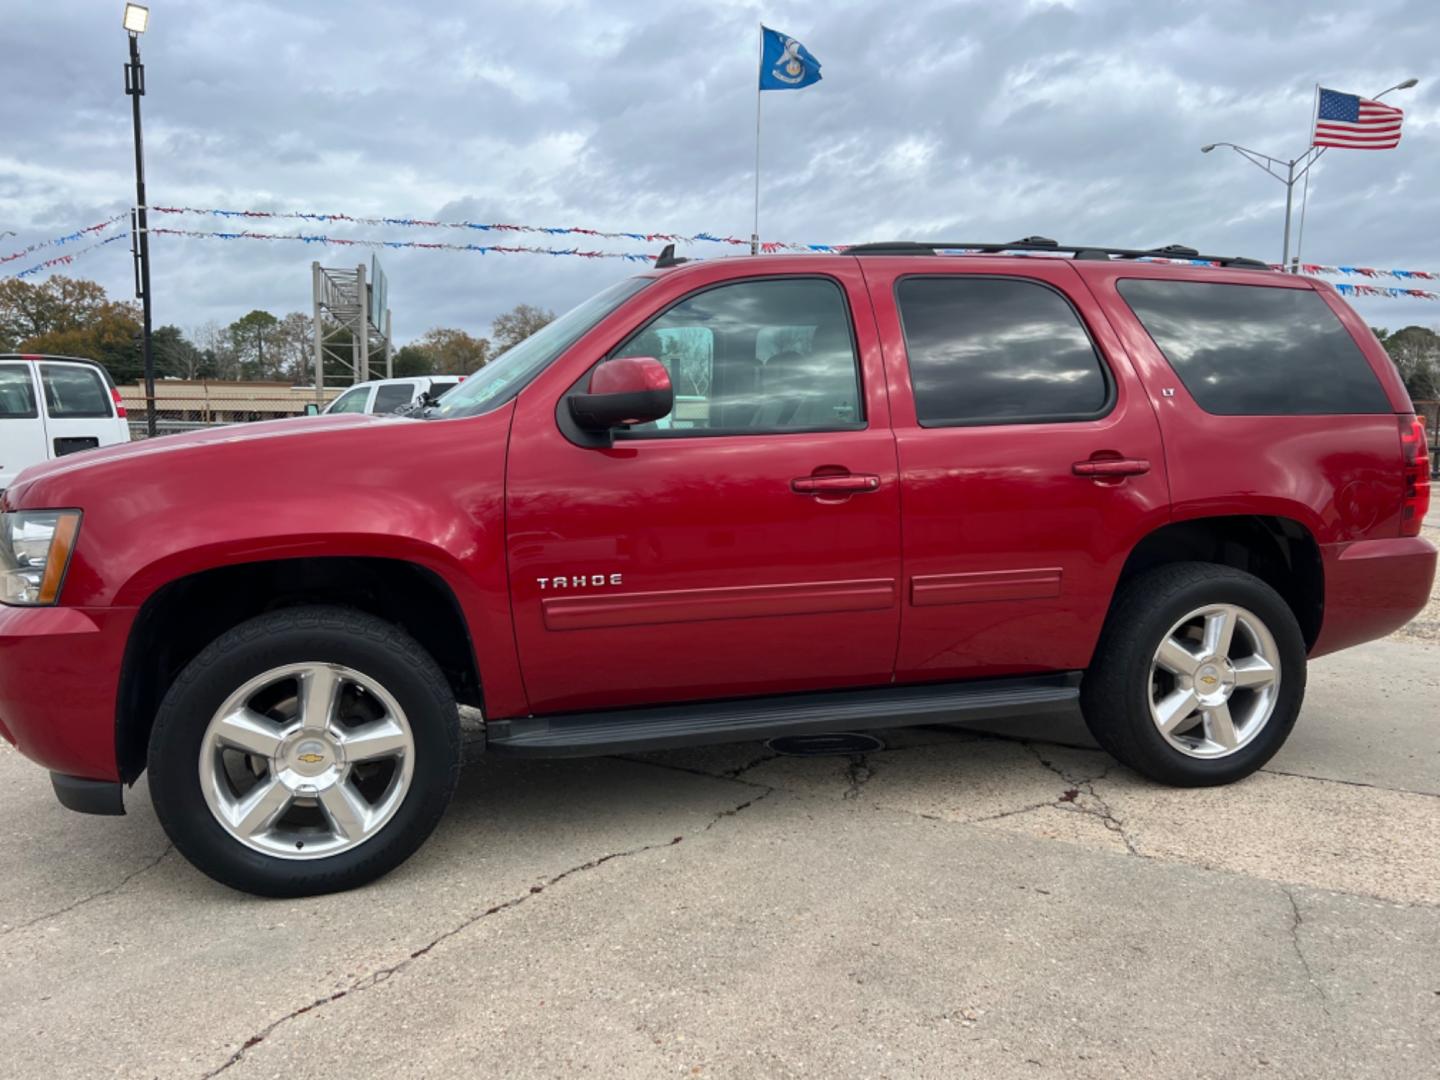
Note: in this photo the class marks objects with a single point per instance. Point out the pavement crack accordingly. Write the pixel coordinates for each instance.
(100, 894)
(380, 975)
(1351, 783)
(1068, 801)
(723, 814)
(1004, 813)
(859, 774)
(1297, 920)
(735, 774)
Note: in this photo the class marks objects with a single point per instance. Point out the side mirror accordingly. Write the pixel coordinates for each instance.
(311, 409)
(627, 390)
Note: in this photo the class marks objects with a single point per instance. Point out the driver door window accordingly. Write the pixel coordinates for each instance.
(755, 356)
(352, 401)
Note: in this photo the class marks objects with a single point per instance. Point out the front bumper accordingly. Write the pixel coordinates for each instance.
(59, 676)
(1372, 588)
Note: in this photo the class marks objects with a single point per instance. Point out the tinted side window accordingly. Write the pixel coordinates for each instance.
(73, 392)
(773, 355)
(17, 393)
(390, 398)
(997, 351)
(1256, 350)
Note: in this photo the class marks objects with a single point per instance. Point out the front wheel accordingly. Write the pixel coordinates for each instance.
(1198, 677)
(305, 751)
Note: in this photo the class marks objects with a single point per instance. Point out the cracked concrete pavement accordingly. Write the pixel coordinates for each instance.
(1003, 903)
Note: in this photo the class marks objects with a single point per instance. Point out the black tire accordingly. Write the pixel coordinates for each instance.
(1115, 693)
(331, 635)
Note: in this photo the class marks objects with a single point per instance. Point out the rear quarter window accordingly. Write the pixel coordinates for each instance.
(390, 398)
(73, 392)
(1256, 350)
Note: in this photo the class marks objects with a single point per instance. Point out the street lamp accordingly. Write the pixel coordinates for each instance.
(137, 18)
(1292, 171)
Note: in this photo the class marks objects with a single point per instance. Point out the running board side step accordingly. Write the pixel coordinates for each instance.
(663, 726)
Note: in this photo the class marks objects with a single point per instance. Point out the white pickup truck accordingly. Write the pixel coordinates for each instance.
(51, 406)
(388, 395)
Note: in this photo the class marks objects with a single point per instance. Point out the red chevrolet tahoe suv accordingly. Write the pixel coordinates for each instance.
(723, 501)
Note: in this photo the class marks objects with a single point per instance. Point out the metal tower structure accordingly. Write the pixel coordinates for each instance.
(352, 324)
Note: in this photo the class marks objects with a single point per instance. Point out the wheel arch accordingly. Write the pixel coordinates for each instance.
(182, 616)
(1281, 551)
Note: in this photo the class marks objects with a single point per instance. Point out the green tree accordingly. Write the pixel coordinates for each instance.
(111, 336)
(411, 360)
(1415, 351)
(70, 317)
(254, 340)
(517, 324)
(60, 310)
(175, 356)
(454, 352)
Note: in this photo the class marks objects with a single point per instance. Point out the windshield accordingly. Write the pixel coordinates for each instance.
(503, 377)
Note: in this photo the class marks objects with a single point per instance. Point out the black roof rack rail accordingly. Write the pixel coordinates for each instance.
(1044, 243)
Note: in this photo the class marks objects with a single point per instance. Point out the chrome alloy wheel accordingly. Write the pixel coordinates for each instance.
(1214, 681)
(307, 761)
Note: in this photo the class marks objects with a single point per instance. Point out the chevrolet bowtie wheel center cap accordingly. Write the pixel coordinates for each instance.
(1215, 681)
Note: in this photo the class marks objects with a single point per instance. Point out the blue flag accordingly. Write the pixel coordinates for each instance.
(785, 64)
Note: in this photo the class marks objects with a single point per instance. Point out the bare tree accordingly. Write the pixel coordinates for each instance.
(295, 347)
(218, 357)
(517, 324)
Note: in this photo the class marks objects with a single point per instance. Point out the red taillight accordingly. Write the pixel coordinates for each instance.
(119, 403)
(1416, 453)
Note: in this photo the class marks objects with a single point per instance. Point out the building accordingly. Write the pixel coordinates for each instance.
(187, 404)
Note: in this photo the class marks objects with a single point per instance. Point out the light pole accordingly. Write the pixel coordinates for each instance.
(137, 18)
(1292, 171)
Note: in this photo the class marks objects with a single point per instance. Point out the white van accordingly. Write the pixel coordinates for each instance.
(51, 406)
(387, 395)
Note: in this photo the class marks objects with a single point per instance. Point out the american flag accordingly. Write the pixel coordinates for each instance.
(1350, 122)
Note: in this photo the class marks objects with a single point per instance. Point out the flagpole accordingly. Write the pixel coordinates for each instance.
(1305, 194)
(755, 234)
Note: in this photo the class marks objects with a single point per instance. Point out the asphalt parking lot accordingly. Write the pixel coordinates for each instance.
(961, 904)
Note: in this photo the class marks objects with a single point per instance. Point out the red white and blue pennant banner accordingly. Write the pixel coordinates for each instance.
(1367, 271)
(418, 245)
(69, 256)
(771, 247)
(548, 230)
(68, 238)
(1345, 288)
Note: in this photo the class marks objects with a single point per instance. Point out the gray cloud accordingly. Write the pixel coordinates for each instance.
(972, 120)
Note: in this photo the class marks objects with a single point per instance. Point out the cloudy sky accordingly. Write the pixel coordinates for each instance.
(984, 120)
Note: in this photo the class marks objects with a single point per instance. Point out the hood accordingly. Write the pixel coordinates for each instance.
(164, 452)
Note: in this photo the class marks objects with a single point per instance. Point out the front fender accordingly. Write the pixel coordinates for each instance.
(429, 493)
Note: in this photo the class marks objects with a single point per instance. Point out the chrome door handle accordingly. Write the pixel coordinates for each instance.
(1103, 467)
(843, 484)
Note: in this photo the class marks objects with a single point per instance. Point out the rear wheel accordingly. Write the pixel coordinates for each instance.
(1198, 677)
(305, 751)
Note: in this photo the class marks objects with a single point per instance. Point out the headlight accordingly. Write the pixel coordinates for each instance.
(35, 547)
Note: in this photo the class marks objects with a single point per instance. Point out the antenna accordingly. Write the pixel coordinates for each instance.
(667, 258)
